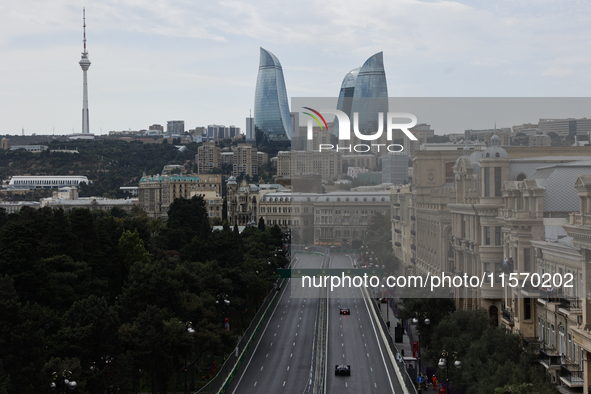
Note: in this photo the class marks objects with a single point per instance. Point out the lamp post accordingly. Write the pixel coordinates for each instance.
(191, 332)
(62, 382)
(444, 362)
(419, 321)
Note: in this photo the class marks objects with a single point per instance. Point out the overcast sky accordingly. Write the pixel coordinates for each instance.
(197, 61)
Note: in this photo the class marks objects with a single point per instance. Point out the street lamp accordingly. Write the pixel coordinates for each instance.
(418, 321)
(62, 382)
(444, 362)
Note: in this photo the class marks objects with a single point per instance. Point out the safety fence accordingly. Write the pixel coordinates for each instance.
(407, 380)
(221, 382)
(318, 368)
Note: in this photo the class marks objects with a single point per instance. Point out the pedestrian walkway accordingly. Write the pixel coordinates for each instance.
(389, 311)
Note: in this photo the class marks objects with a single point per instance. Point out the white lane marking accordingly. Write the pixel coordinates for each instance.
(288, 367)
(262, 368)
(291, 355)
(379, 344)
(277, 325)
(345, 384)
(258, 343)
(296, 334)
(343, 356)
(284, 383)
(255, 384)
(271, 343)
(275, 334)
(267, 355)
(365, 344)
(342, 344)
(367, 354)
(371, 369)
(293, 344)
(375, 384)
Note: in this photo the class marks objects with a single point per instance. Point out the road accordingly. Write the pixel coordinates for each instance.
(354, 340)
(282, 354)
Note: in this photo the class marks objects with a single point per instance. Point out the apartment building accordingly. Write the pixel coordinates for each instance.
(208, 157)
(293, 163)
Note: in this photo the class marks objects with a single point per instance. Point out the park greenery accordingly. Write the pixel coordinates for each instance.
(108, 163)
(109, 296)
(492, 360)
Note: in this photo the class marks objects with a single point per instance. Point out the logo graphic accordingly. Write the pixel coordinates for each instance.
(315, 118)
(345, 129)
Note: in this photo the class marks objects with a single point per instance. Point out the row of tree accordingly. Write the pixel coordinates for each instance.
(110, 296)
(492, 360)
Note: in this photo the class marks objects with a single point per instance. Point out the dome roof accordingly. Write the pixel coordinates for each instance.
(495, 152)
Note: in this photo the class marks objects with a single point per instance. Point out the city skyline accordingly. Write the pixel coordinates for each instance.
(154, 62)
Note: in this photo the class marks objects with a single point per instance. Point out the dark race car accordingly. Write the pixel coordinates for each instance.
(342, 370)
(345, 311)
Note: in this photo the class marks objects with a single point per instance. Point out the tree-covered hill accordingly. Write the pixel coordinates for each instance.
(108, 163)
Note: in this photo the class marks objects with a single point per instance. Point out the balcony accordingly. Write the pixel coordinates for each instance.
(532, 343)
(579, 219)
(412, 218)
(571, 375)
(553, 296)
(397, 244)
(413, 247)
(549, 359)
(413, 232)
(397, 231)
(531, 291)
(508, 316)
(396, 217)
(571, 304)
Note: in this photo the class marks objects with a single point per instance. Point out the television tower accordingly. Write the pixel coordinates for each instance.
(84, 64)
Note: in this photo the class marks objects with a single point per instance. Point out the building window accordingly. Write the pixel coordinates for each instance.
(527, 308)
(486, 182)
(561, 340)
(487, 235)
(497, 235)
(527, 259)
(498, 182)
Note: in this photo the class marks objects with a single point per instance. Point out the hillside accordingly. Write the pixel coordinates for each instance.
(108, 163)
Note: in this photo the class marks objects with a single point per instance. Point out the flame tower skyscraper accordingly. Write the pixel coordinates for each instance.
(84, 64)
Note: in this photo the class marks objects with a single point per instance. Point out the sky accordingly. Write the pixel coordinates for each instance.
(197, 61)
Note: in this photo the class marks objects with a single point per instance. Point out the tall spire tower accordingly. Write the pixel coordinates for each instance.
(84, 64)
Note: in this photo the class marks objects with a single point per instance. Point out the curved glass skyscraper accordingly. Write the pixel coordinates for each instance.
(364, 90)
(271, 108)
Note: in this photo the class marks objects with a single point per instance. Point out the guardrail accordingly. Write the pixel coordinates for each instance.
(220, 382)
(407, 381)
(318, 368)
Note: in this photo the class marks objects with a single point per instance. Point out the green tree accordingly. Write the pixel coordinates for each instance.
(132, 250)
(187, 218)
